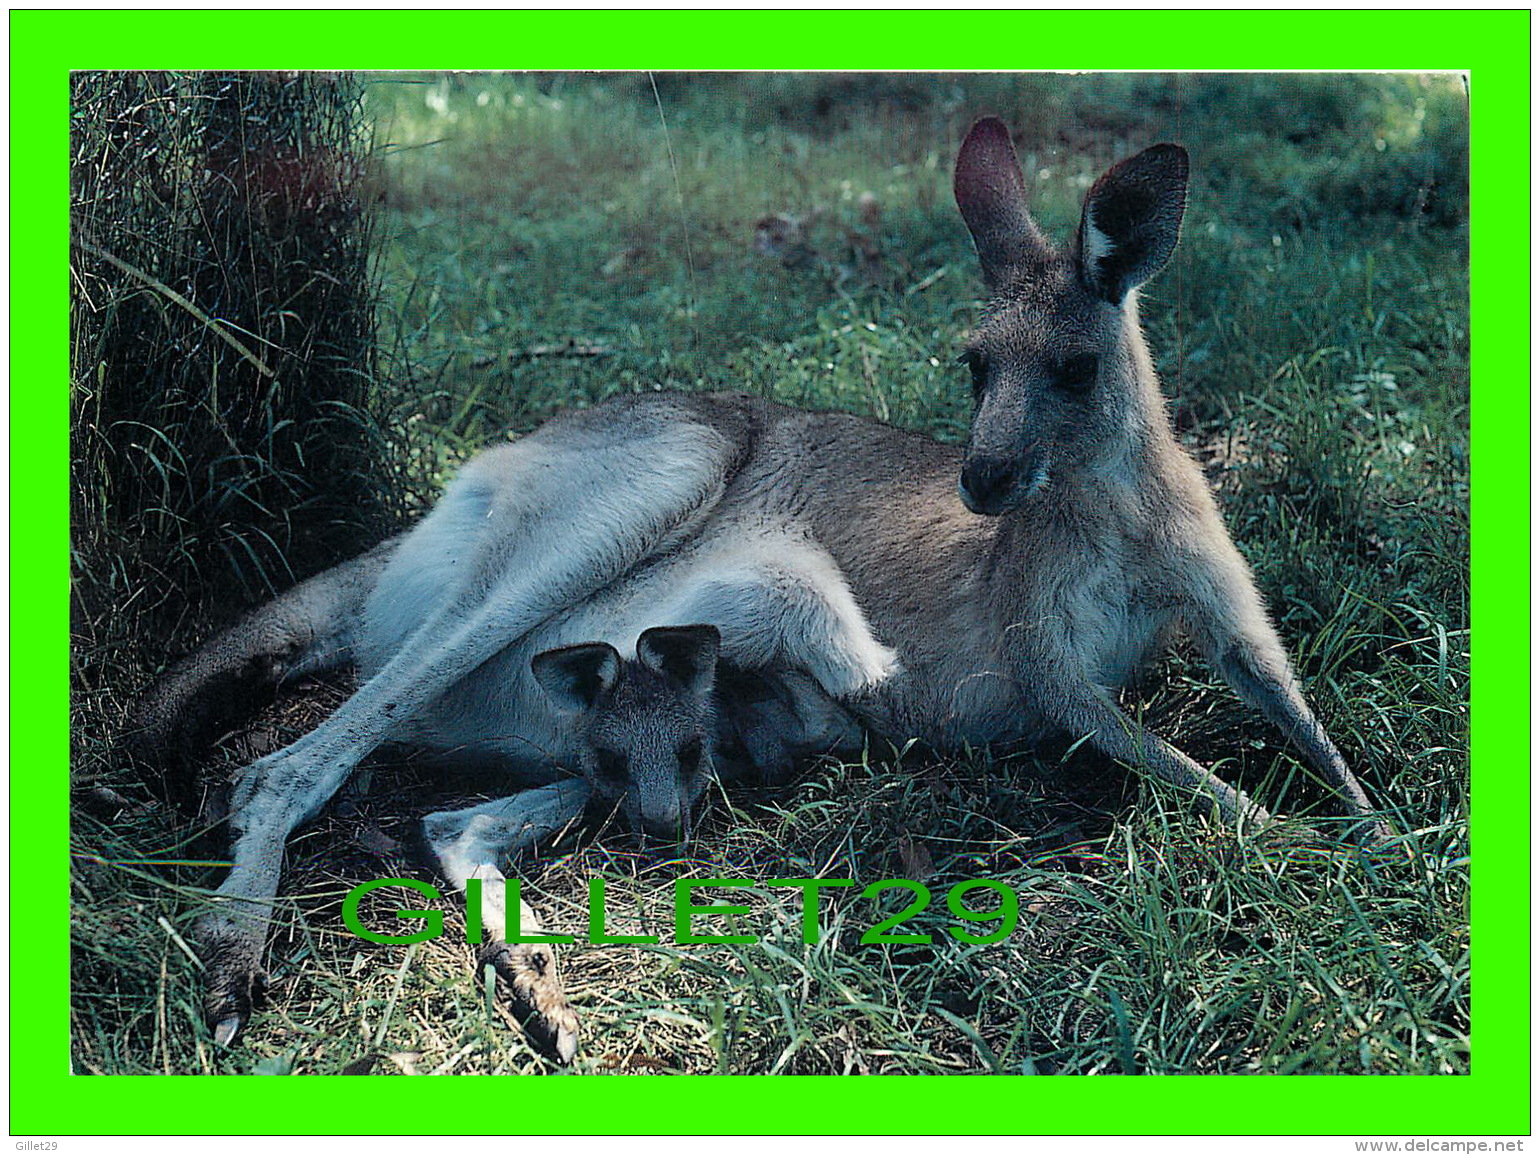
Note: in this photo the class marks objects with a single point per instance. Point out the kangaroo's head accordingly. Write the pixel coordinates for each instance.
(646, 727)
(1057, 358)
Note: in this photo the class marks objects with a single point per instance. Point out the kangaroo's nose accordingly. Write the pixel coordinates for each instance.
(985, 483)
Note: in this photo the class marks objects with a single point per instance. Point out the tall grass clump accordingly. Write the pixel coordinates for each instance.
(223, 331)
(222, 365)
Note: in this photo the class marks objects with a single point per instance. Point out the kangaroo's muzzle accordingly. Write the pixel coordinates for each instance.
(987, 485)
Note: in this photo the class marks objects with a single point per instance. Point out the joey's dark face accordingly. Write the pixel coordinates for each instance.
(644, 728)
(1044, 366)
(650, 752)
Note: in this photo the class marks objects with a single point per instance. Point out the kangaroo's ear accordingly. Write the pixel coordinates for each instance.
(993, 199)
(685, 654)
(1131, 220)
(574, 677)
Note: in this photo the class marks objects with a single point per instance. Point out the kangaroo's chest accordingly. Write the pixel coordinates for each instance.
(1091, 594)
(1106, 616)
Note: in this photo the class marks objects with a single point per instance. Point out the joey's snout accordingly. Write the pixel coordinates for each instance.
(659, 805)
(652, 806)
(667, 827)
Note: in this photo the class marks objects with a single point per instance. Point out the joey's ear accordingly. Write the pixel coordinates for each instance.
(573, 677)
(685, 654)
(1131, 220)
(993, 199)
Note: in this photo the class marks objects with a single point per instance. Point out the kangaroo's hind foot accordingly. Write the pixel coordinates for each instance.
(231, 946)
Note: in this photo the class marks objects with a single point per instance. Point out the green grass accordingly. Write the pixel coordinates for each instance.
(1313, 335)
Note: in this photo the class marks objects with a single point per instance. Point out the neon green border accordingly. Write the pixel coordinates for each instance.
(1493, 46)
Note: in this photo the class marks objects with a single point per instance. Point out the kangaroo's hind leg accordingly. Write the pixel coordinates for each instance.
(473, 843)
(563, 518)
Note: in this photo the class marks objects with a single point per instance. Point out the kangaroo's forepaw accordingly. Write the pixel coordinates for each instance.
(861, 669)
(232, 974)
(536, 994)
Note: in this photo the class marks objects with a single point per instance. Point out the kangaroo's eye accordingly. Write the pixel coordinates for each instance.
(1076, 374)
(689, 756)
(978, 365)
(612, 764)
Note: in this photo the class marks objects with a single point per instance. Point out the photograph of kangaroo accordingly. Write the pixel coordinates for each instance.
(559, 488)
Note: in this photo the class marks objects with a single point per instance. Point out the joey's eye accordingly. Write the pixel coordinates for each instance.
(978, 365)
(1076, 374)
(689, 756)
(612, 764)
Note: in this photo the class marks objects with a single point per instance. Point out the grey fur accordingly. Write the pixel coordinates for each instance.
(646, 727)
(827, 545)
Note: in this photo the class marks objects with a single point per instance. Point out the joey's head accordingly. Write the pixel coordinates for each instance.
(646, 726)
(1058, 363)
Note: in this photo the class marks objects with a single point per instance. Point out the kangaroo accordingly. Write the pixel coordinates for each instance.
(645, 733)
(648, 727)
(998, 592)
